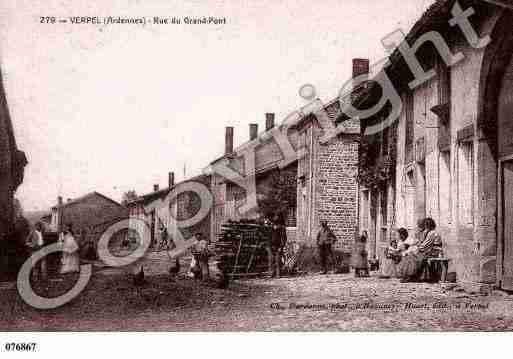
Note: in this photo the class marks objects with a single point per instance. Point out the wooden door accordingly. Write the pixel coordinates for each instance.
(507, 223)
(373, 223)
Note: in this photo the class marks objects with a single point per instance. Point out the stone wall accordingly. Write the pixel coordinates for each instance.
(449, 186)
(6, 180)
(11, 169)
(336, 188)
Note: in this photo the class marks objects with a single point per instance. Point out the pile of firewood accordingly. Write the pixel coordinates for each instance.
(241, 249)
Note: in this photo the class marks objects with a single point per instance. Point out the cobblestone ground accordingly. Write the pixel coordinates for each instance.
(313, 302)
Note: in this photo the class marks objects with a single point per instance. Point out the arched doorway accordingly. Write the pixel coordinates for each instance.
(495, 153)
(505, 175)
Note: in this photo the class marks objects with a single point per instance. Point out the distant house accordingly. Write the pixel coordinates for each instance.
(43, 216)
(155, 216)
(89, 215)
(47, 219)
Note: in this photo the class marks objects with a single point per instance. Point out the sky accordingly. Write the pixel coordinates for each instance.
(115, 108)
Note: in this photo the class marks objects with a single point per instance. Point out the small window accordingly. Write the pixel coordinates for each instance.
(410, 192)
(466, 182)
(444, 87)
(444, 192)
(302, 139)
(291, 220)
(409, 128)
(383, 208)
(365, 209)
(409, 136)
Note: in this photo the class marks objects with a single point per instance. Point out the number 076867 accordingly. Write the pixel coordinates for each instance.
(20, 347)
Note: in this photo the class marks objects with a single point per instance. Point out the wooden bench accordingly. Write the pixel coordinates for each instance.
(439, 262)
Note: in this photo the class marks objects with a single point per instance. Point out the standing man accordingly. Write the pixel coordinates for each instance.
(201, 254)
(35, 243)
(164, 238)
(278, 242)
(325, 240)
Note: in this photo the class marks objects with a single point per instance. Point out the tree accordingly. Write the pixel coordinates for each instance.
(128, 197)
(281, 195)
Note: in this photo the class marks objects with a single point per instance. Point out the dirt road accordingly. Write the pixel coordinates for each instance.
(315, 302)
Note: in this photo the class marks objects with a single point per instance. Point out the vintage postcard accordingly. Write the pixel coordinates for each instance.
(179, 166)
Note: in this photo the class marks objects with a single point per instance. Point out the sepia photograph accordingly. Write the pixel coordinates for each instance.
(255, 166)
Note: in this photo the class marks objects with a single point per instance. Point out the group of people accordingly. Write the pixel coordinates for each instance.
(69, 260)
(406, 257)
(325, 241)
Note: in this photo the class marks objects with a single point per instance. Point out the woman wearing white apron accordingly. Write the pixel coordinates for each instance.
(70, 257)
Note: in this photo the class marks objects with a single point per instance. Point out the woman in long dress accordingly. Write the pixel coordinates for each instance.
(70, 257)
(414, 261)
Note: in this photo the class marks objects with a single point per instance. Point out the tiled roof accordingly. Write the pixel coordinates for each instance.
(80, 199)
(435, 16)
(160, 194)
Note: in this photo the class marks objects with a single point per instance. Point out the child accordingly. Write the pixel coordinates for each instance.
(411, 243)
(359, 258)
(393, 256)
(393, 251)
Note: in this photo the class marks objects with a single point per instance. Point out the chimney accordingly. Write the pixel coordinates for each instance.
(57, 225)
(171, 179)
(360, 67)
(269, 121)
(228, 140)
(253, 131)
(155, 187)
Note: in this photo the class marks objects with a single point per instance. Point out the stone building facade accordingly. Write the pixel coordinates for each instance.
(12, 164)
(452, 146)
(324, 176)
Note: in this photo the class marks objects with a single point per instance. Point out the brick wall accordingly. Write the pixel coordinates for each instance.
(337, 188)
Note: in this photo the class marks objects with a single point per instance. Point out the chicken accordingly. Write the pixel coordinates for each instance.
(139, 277)
(175, 268)
(222, 281)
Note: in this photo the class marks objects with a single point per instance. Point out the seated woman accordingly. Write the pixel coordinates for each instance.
(415, 259)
